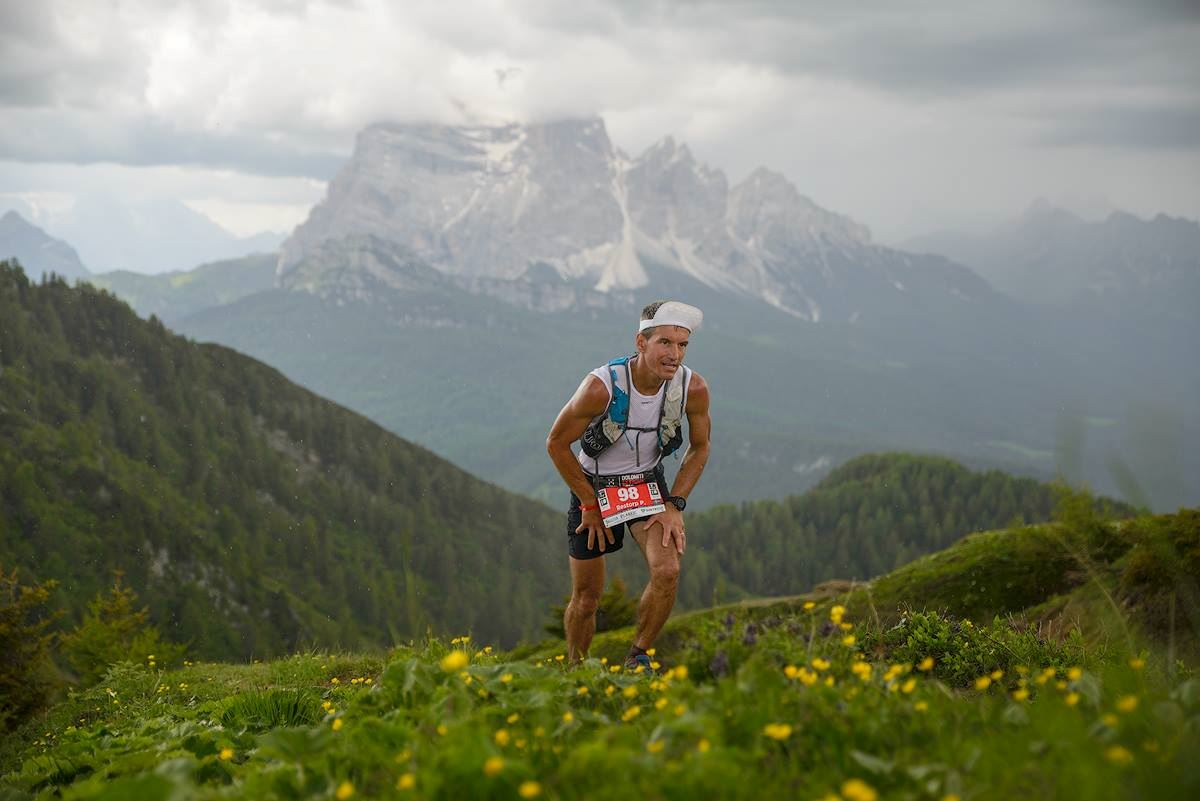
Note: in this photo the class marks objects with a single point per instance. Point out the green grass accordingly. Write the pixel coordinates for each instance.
(996, 669)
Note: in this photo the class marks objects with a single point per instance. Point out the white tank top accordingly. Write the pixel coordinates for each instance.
(621, 458)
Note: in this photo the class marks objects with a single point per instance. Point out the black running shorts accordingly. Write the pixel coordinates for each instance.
(577, 544)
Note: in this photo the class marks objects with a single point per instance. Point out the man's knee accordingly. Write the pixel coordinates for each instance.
(665, 574)
(585, 603)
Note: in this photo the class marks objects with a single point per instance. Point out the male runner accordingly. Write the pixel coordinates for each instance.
(627, 416)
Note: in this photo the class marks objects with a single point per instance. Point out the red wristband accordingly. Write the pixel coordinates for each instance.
(583, 508)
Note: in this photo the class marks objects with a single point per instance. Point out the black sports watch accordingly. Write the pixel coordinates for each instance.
(678, 501)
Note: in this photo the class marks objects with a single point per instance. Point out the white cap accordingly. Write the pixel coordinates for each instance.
(674, 313)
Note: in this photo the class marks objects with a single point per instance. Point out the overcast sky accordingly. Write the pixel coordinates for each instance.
(908, 116)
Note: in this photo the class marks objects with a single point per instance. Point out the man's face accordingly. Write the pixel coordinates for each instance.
(664, 349)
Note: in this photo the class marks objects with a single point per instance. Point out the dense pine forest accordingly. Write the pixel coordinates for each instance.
(866, 518)
(252, 516)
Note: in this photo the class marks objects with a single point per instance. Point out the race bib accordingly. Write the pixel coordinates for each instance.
(632, 500)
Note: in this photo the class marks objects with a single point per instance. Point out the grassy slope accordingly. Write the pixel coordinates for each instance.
(412, 729)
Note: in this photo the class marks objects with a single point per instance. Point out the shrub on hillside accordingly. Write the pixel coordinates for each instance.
(115, 630)
(962, 652)
(26, 670)
(1161, 576)
(616, 610)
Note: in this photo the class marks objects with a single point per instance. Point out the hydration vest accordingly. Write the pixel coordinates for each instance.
(612, 425)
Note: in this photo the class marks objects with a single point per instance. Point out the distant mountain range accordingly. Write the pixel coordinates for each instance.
(144, 236)
(456, 284)
(39, 252)
(1051, 256)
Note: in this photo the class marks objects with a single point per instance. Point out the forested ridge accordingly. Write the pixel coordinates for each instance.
(866, 518)
(255, 517)
(252, 516)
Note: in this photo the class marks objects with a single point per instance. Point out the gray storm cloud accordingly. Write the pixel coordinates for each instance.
(854, 105)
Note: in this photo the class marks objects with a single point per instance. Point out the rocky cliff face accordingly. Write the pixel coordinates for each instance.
(509, 203)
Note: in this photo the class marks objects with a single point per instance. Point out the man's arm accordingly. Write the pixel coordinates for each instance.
(699, 429)
(699, 426)
(589, 401)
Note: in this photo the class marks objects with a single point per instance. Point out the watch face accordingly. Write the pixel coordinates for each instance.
(679, 501)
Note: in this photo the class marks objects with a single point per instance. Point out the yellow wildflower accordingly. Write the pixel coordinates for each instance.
(703, 746)
(997, 675)
(568, 717)
(848, 640)
(790, 671)
(443, 729)
(506, 678)
(1020, 695)
(501, 737)
(630, 692)
(951, 797)
(908, 686)
(513, 718)
(680, 672)
(1127, 703)
(581, 691)
(406, 782)
(493, 765)
(836, 613)
(858, 790)
(1074, 673)
(661, 703)
(226, 754)
(777, 731)
(926, 664)
(539, 732)
(455, 661)
(1118, 755)
(560, 658)
(615, 669)
(631, 713)
(609, 690)
(983, 682)
(530, 789)
(862, 670)
(1062, 685)
(1137, 663)
(1072, 699)
(680, 709)
(337, 724)
(1110, 720)
(921, 706)
(845, 626)
(655, 746)
(344, 791)
(808, 605)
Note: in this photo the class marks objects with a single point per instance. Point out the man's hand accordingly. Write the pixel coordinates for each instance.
(593, 524)
(671, 521)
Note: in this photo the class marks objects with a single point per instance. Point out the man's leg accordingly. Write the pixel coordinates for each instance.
(659, 596)
(579, 619)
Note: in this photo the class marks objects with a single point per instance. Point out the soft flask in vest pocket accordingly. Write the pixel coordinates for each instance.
(611, 426)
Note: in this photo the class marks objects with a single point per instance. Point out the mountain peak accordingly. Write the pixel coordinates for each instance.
(36, 250)
(487, 202)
